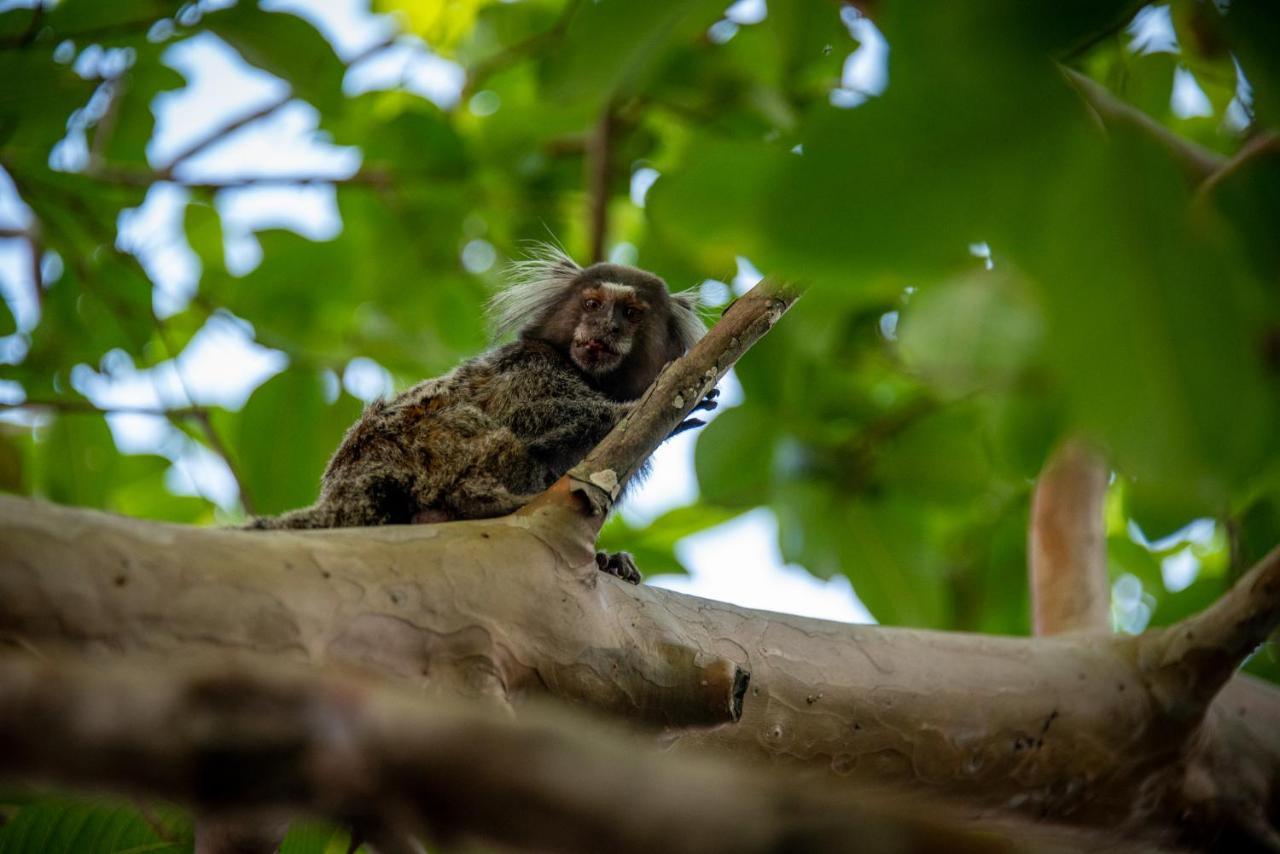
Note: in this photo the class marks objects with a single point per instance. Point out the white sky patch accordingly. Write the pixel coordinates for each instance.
(747, 12)
(1179, 570)
(1151, 31)
(1188, 99)
(641, 180)
(866, 70)
(220, 86)
(220, 366)
(747, 276)
(411, 65)
(153, 232)
(739, 562)
(366, 379)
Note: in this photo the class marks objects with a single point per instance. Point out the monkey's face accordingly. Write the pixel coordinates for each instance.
(609, 315)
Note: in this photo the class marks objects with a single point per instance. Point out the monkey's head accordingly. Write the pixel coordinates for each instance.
(619, 325)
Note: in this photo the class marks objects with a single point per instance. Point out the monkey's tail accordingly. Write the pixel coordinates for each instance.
(316, 516)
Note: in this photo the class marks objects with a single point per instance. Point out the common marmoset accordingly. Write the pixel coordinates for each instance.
(484, 439)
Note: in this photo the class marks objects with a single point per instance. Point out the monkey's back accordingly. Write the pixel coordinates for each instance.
(478, 441)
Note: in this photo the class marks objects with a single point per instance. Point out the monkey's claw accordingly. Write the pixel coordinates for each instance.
(709, 402)
(620, 564)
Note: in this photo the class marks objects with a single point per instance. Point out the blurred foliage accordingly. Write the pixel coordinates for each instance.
(991, 267)
(37, 821)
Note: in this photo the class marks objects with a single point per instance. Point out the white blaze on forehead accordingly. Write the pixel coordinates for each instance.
(613, 290)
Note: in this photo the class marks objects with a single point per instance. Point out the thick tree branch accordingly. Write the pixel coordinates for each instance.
(678, 389)
(1192, 660)
(251, 738)
(1067, 552)
(1063, 728)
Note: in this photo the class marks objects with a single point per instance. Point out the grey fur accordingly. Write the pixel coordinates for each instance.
(689, 325)
(536, 285)
(500, 428)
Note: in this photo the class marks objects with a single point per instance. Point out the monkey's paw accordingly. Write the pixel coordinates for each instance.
(620, 564)
(707, 404)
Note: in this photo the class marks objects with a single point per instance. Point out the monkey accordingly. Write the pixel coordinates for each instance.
(484, 439)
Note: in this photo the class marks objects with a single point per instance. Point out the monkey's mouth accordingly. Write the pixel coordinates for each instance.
(596, 348)
(594, 355)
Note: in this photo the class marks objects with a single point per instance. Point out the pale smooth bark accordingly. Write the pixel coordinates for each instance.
(1070, 728)
(1067, 545)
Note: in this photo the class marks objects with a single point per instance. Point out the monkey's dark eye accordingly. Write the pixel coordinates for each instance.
(591, 304)
(632, 313)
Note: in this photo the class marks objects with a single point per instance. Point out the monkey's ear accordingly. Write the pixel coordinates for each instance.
(535, 285)
(687, 324)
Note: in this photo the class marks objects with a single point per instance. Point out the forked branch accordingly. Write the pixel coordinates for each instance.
(1192, 660)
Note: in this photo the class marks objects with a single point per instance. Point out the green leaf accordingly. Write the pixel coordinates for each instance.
(1124, 555)
(980, 331)
(286, 46)
(1254, 31)
(34, 116)
(127, 127)
(1155, 329)
(734, 458)
(893, 571)
(315, 837)
(8, 325)
(613, 46)
(56, 825)
(16, 459)
(940, 457)
(78, 461)
(284, 436)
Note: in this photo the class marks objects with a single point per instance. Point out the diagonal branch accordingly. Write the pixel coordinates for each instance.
(1067, 544)
(218, 134)
(1192, 660)
(1196, 161)
(682, 384)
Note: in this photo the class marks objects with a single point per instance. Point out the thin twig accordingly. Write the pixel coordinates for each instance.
(220, 134)
(146, 177)
(599, 168)
(530, 46)
(1196, 161)
(85, 407)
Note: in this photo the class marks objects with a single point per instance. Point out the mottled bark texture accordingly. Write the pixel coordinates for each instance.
(1150, 738)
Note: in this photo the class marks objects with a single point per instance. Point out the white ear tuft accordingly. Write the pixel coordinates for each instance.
(536, 284)
(689, 327)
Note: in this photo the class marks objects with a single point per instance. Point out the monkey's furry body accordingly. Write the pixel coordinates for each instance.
(485, 438)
